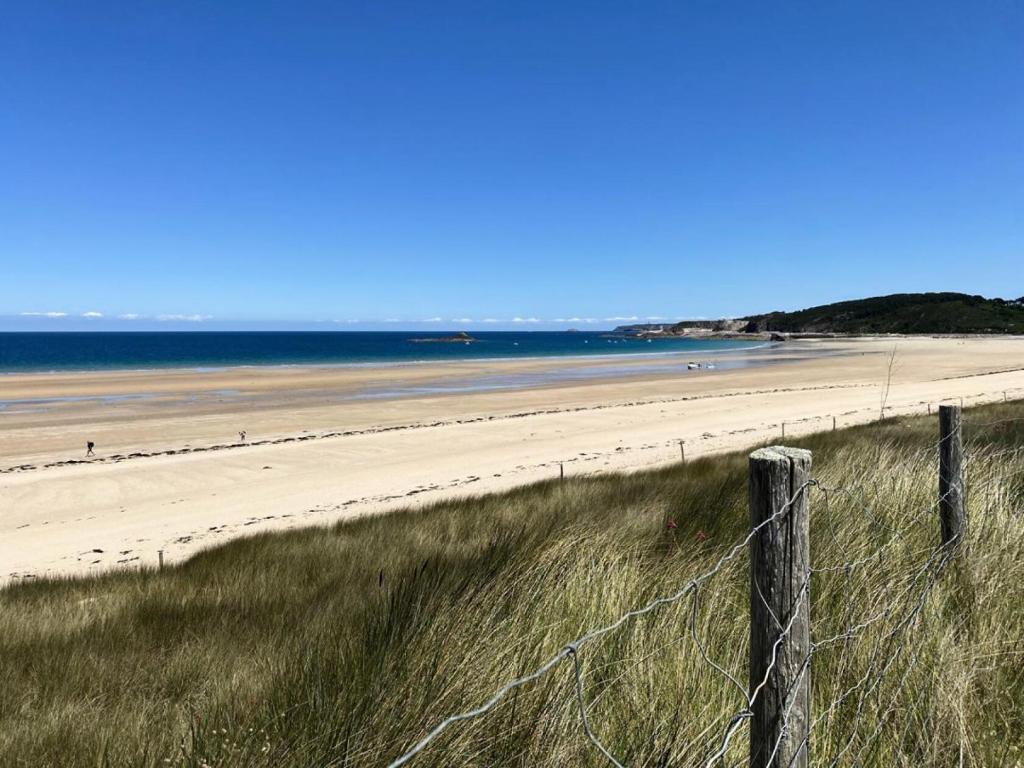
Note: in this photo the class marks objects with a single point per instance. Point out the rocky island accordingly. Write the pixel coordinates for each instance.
(456, 338)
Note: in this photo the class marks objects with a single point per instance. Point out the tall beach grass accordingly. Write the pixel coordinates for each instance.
(342, 646)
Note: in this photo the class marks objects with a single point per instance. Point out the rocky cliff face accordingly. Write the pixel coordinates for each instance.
(683, 326)
(709, 325)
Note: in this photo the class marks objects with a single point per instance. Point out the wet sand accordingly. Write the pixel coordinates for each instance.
(333, 442)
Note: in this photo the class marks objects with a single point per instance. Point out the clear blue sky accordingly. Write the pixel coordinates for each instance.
(378, 161)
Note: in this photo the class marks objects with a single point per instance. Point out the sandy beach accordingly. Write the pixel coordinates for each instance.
(328, 443)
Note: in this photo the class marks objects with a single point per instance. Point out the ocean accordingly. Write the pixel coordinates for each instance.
(40, 352)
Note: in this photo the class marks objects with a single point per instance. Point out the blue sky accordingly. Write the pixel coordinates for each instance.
(292, 164)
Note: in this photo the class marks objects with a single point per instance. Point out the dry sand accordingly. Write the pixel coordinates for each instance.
(167, 475)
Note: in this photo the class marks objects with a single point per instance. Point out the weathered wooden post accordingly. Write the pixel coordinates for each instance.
(952, 514)
(783, 430)
(160, 557)
(682, 450)
(929, 409)
(779, 607)
(561, 471)
(833, 423)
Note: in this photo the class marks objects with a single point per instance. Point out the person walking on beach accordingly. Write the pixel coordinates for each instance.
(241, 436)
(88, 448)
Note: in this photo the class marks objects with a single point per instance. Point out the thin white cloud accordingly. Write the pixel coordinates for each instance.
(392, 320)
(655, 317)
(630, 319)
(184, 318)
(462, 319)
(128, 316)
(92, 314)
(490, 320)
(582, 320)
(44, 314)
(525, 320)
(433, 320)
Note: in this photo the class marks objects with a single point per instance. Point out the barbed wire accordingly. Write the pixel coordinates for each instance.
(851, 632)
(571, 648)
(815, 648)
(581, 701)
(747, 712)
(905, 606)
(893, 655)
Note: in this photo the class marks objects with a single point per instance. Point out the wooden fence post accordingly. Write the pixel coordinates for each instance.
(833, 423)
(779, 607)
(682, 450)
(160, 556)
(952, 515)
(561, 471)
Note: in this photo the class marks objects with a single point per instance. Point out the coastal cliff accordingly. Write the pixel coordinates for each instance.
(902, 313)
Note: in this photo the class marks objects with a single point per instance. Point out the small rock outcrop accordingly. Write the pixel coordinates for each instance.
(456, 338)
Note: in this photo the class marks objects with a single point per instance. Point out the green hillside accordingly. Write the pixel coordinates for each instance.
(900, 313)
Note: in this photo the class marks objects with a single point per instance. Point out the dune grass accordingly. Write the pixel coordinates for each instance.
(342, 646)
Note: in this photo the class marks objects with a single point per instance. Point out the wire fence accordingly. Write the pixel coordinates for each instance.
(892, 658)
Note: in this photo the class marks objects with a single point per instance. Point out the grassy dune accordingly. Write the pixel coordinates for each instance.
(341, 646)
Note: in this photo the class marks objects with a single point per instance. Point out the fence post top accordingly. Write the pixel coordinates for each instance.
(781, 453)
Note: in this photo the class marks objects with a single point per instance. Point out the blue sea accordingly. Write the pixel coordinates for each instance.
(37, 352)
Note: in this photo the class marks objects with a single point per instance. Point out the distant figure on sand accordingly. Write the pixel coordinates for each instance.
(241, 436)
(88, 448)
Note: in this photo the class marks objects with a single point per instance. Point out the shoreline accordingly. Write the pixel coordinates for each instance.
(66, 386)
(749, 344)
(392, 358)
(204, 369)
(172, 476)
(550, 376)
